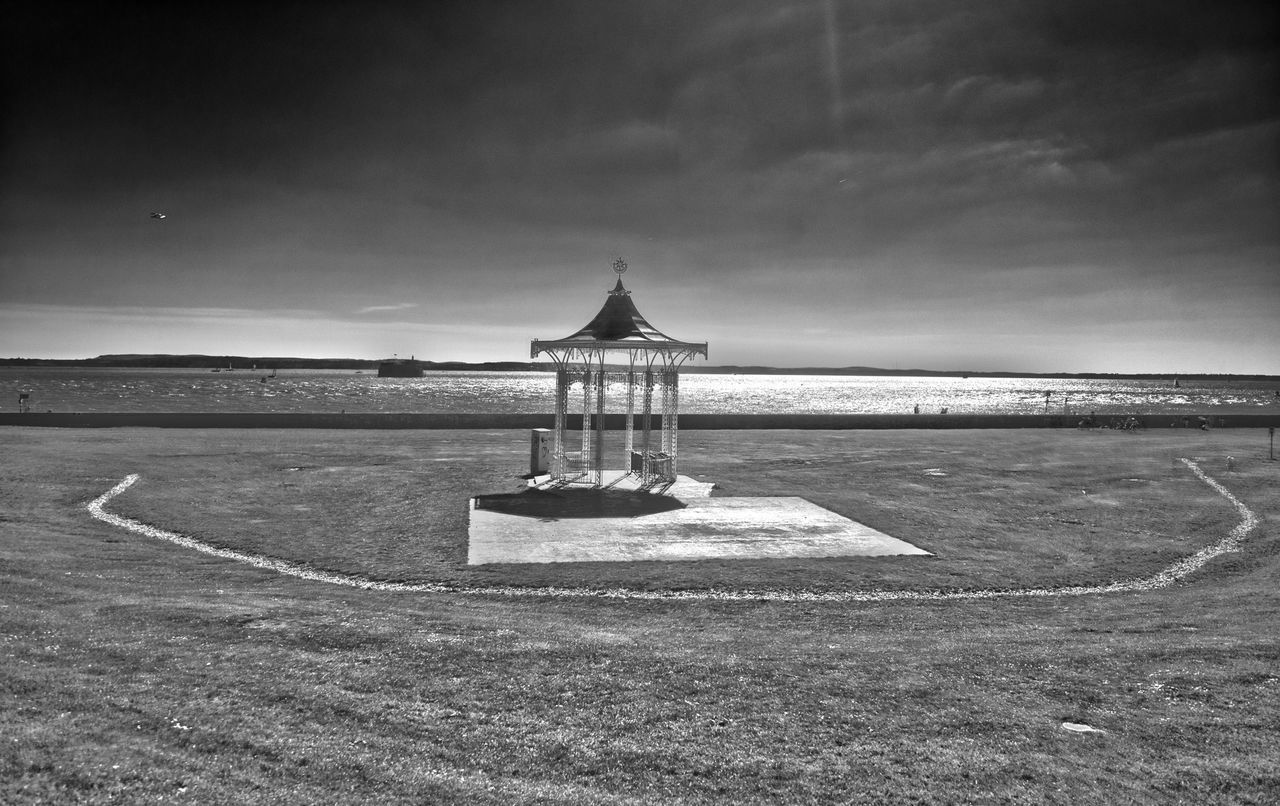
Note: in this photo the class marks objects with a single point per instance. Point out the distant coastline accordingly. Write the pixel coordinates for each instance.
(163, 361)
(262, 363)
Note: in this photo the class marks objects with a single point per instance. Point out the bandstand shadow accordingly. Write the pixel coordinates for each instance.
(578, 503)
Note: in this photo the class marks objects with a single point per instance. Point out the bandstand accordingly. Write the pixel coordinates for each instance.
(646, 360)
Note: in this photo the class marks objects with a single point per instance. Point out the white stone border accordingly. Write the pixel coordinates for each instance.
(1178, 570)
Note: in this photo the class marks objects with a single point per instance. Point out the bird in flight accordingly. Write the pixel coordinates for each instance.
(157, 215)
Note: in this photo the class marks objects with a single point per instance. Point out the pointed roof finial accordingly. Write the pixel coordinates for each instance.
(619, 266)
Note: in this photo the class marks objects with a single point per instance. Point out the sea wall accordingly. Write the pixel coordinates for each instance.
(688, 422)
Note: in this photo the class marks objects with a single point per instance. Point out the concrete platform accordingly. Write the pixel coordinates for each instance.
(677, 522)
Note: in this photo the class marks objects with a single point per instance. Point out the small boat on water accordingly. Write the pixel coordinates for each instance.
(400, 368)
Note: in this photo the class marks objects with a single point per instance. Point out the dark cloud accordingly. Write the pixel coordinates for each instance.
(813, 150)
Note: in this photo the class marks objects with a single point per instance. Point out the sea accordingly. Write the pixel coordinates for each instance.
(84, 390)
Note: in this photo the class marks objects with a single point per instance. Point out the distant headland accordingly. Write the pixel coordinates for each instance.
(164, 361)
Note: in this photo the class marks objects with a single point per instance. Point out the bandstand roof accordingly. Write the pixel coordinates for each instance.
(620, 326)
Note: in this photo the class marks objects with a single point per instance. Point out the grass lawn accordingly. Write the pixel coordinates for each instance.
(134, 670)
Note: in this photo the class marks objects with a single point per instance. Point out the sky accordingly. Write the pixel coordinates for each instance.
(1018, 185)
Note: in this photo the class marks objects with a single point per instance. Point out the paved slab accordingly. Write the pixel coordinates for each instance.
(550, 524)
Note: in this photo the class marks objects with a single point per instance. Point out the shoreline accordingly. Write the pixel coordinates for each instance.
(616, 422)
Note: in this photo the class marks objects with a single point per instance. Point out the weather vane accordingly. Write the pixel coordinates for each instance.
(619, 265)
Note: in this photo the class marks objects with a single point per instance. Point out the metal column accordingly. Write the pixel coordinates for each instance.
(647, 430)
(674, 427)
(562, 405)
(584, 459)
(629, 442)
(668, 422)
(598, 453)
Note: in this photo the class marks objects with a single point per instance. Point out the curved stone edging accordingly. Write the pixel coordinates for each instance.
(1178, 570)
